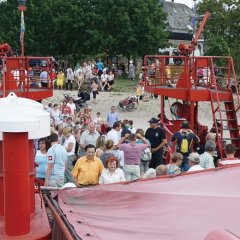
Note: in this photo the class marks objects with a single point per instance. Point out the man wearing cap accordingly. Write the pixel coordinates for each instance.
(157, 138)
(56, 160)
(194, 161)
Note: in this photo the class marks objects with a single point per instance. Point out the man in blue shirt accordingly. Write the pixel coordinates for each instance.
(56, 160)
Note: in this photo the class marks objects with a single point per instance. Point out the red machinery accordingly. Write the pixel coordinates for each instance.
(197, 79)
(22, 74)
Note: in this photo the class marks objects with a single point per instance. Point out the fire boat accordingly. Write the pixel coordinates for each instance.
(196, 205)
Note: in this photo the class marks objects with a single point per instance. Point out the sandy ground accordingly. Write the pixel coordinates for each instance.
(139, 116)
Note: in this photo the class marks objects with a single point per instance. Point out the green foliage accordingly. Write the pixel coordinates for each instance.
(74, 29)
(222, 31)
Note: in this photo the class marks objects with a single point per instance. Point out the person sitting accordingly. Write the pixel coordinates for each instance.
(112, 173)
(88, 168)
(194, 160)
(206, 159)
(174, 167)
(230, 158)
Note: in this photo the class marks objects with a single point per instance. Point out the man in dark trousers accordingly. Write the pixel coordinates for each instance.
(184, 140)
(157, 138)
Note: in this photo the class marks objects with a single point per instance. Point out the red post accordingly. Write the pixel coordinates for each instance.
(31, 176)
(1, 182)
(16, 183)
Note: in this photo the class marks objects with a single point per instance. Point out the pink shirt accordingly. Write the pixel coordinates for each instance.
(132, 152)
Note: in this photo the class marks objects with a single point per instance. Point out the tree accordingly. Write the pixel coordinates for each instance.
(74, 29)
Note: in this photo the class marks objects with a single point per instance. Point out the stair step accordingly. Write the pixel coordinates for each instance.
(234, 139)
(227, 110)
(230, 129)
(226, 120)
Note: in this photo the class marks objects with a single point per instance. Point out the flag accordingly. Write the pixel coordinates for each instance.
(22, 27)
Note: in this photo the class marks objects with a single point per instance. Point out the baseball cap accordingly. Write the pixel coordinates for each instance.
(153, 120)
(194, 157)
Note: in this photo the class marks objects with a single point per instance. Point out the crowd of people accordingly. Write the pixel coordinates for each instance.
(87, 150)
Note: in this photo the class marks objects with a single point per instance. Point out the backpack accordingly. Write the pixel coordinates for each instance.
(184, 146)
(146, 155)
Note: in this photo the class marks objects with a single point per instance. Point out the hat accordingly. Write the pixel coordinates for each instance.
(153, 120)
(194, 157)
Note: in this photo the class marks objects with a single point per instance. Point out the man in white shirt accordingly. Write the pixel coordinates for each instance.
(89, 136)
(194, 160)
(114, 134)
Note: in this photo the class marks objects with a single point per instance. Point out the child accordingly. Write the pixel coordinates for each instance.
(94, 88)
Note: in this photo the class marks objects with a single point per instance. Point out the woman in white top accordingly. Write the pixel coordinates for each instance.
(69, 144)
(56, 114)
(112, 173)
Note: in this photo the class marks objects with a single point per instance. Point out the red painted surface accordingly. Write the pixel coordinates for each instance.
(39, 225)
(16, 183)
(1, 182)
(186, 207)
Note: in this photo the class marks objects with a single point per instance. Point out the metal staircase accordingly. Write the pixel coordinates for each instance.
(225, 114)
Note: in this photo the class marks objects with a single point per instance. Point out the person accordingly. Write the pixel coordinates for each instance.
(104, 80)
(100, 144)
(60, 79)
(56, 161)
(114, 134)
(132, 153)
(80, 78)
(112, 173)
(146, 155)
(206, 159)
(194, 160)
(110, 80)
(94, 88)
(100, 66)
(44, 78)
(131, 127)
(72, 106)
(184, 140)
(41, 158)
(174, 167)
(65, 109)
(89, 136)
(201, 148)
(88, 168)
(69, 144)
(112, 117)
(230, 156)
(70, 78)
(56, 114)
(131, 74)
(157, 138)
(161, 170)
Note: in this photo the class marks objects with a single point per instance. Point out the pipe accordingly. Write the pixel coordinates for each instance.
(59, 220)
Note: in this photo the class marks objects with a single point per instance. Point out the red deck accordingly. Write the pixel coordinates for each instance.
(39, 229)
(184, 207)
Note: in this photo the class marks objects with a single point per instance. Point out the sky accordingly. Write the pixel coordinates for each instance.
(189, 3)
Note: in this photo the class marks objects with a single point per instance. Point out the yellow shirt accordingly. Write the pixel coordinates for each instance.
(86, 171)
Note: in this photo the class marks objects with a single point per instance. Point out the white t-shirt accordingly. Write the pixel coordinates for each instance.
(104, 77)
(113, 135)
(70, 74)
(106, 177)
(71, 139)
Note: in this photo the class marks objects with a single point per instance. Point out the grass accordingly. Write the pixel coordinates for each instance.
(124, 85)
(120, 85)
